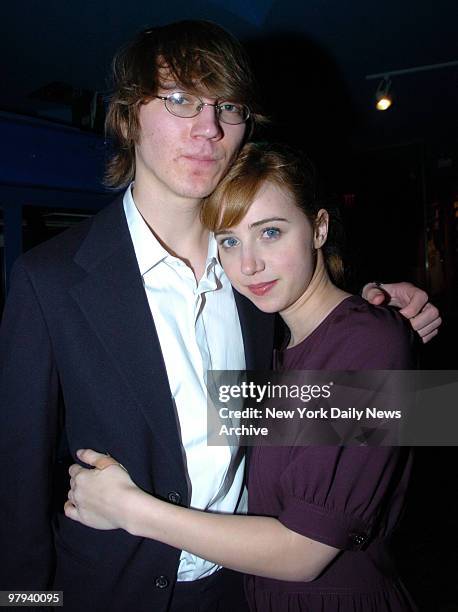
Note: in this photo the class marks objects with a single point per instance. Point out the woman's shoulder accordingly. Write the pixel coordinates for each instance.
(377, 337)
(357, 313)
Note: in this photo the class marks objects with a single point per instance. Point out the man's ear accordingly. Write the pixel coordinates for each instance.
(321, 226)
(129, 124)
(124, 130)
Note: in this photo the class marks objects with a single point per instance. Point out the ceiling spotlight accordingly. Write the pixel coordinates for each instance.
(382, 96)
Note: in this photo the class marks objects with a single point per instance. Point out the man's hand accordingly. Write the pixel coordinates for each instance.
(98, 497)
(412, 302)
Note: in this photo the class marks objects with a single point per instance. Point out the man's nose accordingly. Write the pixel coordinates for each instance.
(206, 124)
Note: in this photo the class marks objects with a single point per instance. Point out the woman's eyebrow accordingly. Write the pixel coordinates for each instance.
(254, 224)
(268, 220)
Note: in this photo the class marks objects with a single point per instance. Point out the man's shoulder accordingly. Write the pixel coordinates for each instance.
(60, 250)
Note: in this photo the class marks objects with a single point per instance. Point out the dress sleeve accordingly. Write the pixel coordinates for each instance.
(339, 495)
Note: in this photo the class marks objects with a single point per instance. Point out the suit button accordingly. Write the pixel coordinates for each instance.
(161, 582)
(174, 497)
(358, 539)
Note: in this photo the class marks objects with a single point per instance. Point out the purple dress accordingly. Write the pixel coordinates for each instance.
(347, 497)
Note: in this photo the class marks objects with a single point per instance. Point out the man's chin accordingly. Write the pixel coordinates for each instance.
(202, 189)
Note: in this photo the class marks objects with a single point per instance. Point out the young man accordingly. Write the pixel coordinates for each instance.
(110, 327)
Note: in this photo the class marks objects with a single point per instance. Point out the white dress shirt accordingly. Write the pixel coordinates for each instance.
(198, 329)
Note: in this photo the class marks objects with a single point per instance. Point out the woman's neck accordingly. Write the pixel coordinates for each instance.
(314, 305)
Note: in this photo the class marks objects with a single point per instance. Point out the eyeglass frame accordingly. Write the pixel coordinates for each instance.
(201, 107)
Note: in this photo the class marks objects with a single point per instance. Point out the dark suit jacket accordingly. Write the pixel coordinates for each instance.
(81, 367)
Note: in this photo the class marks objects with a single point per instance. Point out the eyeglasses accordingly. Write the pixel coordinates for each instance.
(185, 105)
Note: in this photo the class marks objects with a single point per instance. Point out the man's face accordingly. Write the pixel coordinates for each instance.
(183, 157)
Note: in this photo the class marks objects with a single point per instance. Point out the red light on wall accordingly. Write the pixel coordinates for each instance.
(349, 200)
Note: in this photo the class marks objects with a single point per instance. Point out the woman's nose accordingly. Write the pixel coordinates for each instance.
(251, 263)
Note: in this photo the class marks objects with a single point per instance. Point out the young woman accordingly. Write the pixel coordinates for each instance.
(320, 517)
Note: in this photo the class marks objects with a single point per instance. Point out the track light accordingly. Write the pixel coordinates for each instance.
(383, 96)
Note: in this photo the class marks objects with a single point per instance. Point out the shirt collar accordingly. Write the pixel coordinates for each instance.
(214, 275)
(148, 249)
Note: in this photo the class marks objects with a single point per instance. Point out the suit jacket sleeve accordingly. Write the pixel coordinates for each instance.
(28, 431)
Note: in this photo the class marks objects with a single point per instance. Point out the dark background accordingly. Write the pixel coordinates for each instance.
(395, 172)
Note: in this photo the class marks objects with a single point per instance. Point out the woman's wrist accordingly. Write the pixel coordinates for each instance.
(136, 504)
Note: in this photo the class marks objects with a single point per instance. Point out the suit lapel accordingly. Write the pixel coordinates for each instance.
(113, 300)
(258, 334)
(258, 331)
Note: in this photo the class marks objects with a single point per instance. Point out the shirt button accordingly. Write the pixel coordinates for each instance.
(174, 497)
(161, 582)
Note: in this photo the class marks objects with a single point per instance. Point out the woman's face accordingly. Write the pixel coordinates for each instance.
(269, 256)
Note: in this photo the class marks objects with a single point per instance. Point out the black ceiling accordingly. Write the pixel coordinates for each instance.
(313, 55)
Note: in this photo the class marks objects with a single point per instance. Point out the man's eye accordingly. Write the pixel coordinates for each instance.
(228, 107)
(228, 243)
(271, 232)
(180, 99)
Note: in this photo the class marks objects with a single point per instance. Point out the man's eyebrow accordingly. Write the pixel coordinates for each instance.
(255, 224)
(169, 86)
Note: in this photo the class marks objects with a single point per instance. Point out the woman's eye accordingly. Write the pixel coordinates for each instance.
(271, 232)
(228, 243)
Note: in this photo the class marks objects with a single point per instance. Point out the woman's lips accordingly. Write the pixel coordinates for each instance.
(261, 288)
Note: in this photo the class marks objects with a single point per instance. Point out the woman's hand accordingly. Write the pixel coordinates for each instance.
(99, 497)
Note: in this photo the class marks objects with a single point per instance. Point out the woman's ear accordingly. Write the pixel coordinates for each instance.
(321, 226)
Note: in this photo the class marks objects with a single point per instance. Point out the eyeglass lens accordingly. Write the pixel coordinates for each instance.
(183, 104)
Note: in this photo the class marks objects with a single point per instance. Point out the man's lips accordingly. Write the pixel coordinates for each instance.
(205, 159)
(261, 288)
